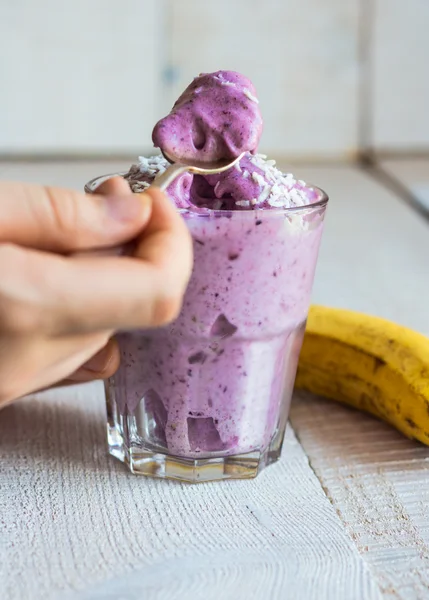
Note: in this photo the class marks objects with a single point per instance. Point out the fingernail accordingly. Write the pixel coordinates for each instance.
(127, 208)
(99, 362)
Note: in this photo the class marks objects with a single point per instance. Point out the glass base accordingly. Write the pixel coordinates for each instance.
(155, 464)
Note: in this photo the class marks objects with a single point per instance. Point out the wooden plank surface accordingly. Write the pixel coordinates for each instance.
(325, 522)
(379, 485)
(72, 519)
(376, 479)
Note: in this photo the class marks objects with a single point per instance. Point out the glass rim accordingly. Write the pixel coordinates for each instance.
(197, 211)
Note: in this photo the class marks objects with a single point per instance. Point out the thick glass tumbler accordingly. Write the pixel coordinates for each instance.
(207, 397)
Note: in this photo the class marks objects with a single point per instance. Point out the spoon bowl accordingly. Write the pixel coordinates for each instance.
(197, 167)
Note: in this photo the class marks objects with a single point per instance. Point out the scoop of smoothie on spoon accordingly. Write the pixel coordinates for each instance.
(217, 117)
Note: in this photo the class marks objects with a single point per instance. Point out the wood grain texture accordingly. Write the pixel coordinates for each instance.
(75, 522)
(376, 479)
(378, 482)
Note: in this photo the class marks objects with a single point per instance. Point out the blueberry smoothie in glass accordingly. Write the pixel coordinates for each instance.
(207, 397)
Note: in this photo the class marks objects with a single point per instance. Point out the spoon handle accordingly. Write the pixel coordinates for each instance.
(164, 179)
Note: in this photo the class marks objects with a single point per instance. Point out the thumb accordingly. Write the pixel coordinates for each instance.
(62, 220)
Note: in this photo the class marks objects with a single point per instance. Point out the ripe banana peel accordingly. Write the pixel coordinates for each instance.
(368, 363)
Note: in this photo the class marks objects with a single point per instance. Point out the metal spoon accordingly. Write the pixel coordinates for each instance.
(162, 181)
(197, 167)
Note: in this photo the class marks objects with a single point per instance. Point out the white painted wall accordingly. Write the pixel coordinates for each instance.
(79, 76)
(300, 54)
(401, 74)
(92, 76)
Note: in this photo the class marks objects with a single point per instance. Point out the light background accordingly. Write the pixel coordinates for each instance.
(91, 77)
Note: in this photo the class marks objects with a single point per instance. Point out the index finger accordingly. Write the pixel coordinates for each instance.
(62, 220)
(143, 290)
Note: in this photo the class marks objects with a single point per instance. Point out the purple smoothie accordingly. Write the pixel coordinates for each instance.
(218, 381)
(213, 381)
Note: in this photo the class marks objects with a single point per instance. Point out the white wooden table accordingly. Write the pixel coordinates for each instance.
(344, 515)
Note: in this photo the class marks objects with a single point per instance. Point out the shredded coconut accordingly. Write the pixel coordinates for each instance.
(251, 97)
(277, 201)
(153, 164)
(297, 197)
(138, 186)
(224, 81)
(264, 194)
(258, 179)
(276, 189)
(142, 174)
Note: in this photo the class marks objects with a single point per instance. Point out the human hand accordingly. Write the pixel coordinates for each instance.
(59, 310)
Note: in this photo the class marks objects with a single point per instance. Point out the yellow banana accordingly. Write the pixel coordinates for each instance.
(370, 364)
